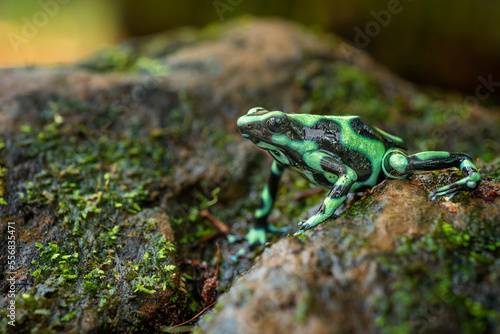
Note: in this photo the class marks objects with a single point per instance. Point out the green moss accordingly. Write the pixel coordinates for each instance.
(115, 58)
(95, 188)
(56, 262)
(83, 178)
(189, 214)
(69, 316)
(491, 169)
(304, 305)
(151, 66)
(446, 273)
(424, 122)
(344, 89)
(360, 206)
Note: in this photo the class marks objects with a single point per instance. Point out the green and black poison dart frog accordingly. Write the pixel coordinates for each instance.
(340, 153)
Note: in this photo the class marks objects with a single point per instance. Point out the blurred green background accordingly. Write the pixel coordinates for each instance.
(447, 44)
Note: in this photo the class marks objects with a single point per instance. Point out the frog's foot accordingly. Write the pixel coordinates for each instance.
(468, 183)
(312, 222)
(334, 199)
(254, 237)
(304, 225)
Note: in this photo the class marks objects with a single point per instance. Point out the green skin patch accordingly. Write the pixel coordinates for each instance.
(339, 153)
(256, 235)
(268, 203)
(398, 162)
(275, 169)
(431, 155)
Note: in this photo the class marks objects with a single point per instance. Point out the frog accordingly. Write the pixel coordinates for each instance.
(342, 154)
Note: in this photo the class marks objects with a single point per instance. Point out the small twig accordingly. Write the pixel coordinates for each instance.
(220, 226)
(370, 191)
(205, 239)
(196, 316)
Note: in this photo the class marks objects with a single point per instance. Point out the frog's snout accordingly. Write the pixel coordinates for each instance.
(245, 129)
(248, 130)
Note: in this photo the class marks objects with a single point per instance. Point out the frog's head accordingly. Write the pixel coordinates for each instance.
(270, 130)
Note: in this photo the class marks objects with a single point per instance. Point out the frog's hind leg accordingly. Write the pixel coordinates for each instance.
(396, 164)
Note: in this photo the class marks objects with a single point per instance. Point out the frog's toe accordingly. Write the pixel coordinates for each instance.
(304, 226)
(443, 191)
(299, 232)
(254, 237)
(449, 190)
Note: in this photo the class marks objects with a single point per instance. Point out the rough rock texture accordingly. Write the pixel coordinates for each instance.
(101, 160)
(363, 273)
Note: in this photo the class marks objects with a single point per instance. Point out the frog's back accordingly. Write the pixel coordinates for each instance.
(358, 125)
(334, 125)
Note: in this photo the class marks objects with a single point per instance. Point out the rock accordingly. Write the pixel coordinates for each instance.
(242, 63)
(104, 159)
(116, 267)
(395, 261)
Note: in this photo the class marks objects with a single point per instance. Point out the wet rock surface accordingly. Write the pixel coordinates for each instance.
(108, 165)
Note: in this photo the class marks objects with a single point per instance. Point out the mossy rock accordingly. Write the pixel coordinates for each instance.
(107, 166)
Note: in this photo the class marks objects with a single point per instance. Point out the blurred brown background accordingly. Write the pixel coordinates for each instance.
(447, 44)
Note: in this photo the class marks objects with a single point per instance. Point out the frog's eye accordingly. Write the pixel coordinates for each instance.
(275, 124)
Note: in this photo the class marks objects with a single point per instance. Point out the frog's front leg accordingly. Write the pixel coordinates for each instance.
(396, 164)
(346, 177)
(257, 234)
